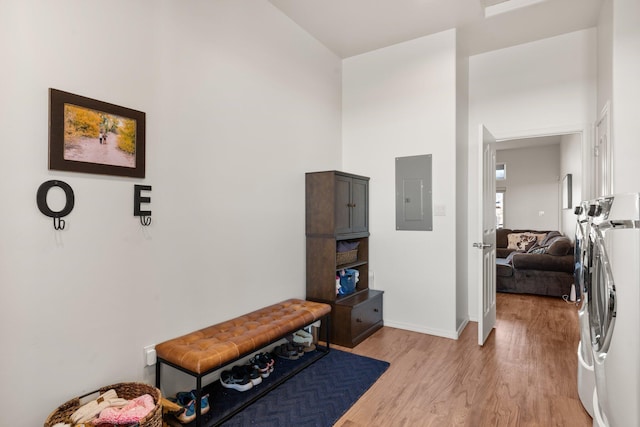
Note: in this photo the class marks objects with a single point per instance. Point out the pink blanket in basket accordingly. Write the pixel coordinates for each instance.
(134, 411)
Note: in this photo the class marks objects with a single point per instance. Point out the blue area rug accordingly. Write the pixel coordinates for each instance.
(318, 396)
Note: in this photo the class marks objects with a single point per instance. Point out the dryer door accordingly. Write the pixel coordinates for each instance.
(584, 270)
(582, 262)
(602, 301)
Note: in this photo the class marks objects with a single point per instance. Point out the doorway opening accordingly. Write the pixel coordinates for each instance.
(574, 156)
(536, 167)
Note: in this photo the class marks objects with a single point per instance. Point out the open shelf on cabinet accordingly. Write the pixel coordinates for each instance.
(350, 265)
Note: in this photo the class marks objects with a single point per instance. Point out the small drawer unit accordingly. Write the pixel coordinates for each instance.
(357, 317)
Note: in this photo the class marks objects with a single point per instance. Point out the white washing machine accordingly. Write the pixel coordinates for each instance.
(582, 278)
(614, 310)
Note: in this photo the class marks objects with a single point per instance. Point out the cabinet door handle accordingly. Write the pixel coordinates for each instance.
(375, 310)
(358, 320)
(351, 205)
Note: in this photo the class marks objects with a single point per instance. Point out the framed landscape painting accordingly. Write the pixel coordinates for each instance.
(91, 136)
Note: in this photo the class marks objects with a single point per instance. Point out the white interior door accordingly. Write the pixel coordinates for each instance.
(487, 247)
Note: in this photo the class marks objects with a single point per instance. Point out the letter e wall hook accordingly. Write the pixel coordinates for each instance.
(145, 216)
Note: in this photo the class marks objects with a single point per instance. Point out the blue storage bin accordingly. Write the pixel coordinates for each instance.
(347, 281)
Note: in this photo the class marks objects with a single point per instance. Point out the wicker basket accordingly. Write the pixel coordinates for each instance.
(124, 390)
(346, 257)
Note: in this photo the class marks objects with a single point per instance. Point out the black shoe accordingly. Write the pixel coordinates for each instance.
(249, 371)
(235, 380)
(287, 351)
(261, 364)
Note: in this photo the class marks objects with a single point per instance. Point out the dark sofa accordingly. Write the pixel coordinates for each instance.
(540, 265)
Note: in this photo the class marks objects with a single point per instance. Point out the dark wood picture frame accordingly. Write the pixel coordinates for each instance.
(91, 136)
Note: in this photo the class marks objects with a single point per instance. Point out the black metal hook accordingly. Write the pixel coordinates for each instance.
(145, 220)
(58, 223)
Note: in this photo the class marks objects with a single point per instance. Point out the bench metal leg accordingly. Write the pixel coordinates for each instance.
(158, 363)
(198, 402)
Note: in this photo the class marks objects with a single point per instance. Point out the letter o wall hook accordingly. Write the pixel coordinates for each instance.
(41, 197)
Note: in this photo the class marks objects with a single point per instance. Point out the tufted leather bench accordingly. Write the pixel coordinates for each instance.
(206, 350)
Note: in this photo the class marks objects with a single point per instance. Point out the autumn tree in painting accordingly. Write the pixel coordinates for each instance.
(80, 122)
(127, 136)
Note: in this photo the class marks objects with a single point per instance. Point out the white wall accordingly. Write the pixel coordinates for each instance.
(462, 186)
(570, 149)
(626, 93)
(400, 101)
(618, 70)
(605, 54)
(240, 102)
(536, 86)
(535, 89)
(532, 186)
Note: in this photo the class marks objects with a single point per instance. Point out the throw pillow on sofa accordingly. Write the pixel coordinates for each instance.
(521, 241)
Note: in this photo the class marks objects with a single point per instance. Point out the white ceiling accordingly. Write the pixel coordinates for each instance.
(352, 27)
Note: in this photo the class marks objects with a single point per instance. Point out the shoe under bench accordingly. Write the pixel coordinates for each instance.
(207, 350)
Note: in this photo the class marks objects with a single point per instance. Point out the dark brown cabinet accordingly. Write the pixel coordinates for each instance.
(337, 206)
(351, 202)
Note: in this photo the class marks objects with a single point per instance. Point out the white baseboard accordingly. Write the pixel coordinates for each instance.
(416, 328)
(464, 324)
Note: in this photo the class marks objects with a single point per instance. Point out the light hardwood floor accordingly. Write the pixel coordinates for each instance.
(524, 375)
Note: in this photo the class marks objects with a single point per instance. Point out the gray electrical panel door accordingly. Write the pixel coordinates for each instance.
(413, 193)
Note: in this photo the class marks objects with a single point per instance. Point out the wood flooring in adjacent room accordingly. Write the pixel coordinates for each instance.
(524, 375)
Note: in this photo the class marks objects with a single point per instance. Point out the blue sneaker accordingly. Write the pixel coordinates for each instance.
(188, 413)
(188, 401)
(204, 402)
